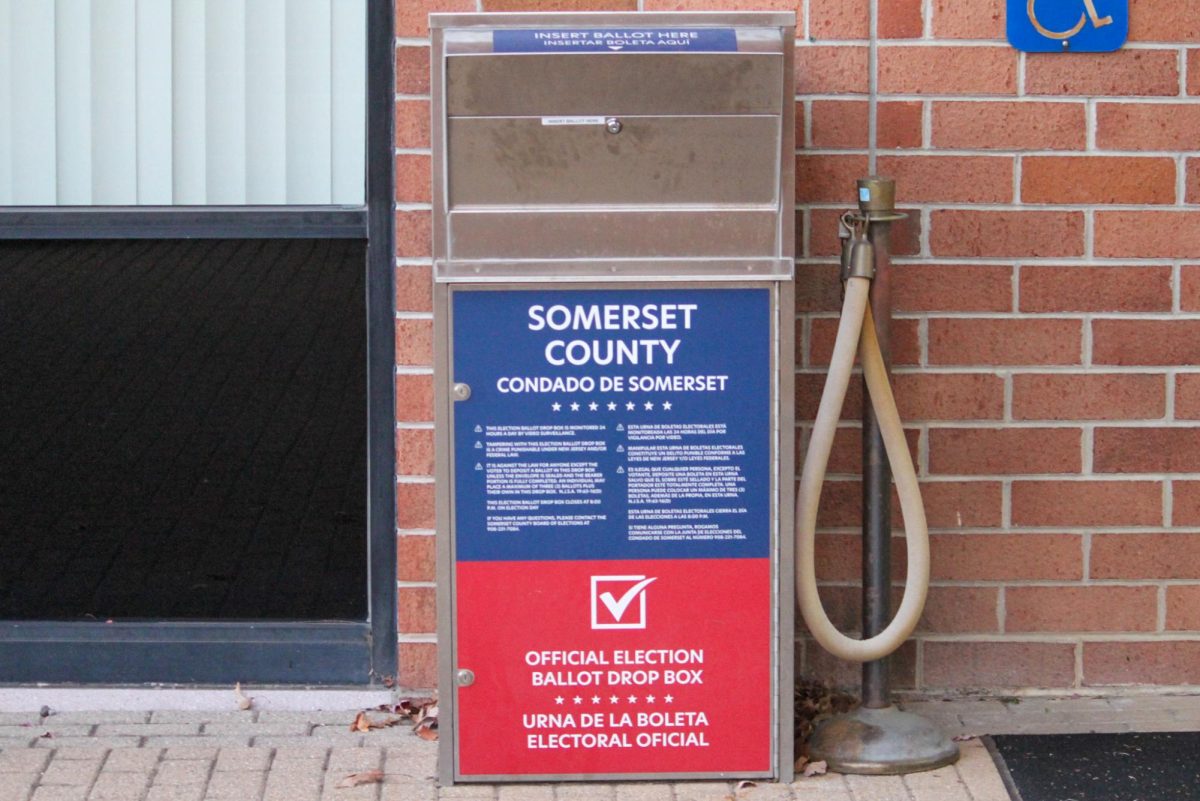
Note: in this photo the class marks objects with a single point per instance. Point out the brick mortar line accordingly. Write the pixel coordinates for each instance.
(1087, 446)
(922, 451)
(1161, 622)
(984, 43)
(1089, 233)
(1006, 504)
(927, 125)
(1098, 478)
(1022, 369)
(1081, 99)
(1168, 503)
(1014, 261)
(1064, 638)
(1007, 404)
(920, 425)
(1007, 153)
(1182, 68)
(1018, 172)
(1079, 316)
(923, 341)
(1001, 584)
(1086, 544)
(1180, 179)
(989, 531)
(926, 233)
(414, 479)
(1091, 124)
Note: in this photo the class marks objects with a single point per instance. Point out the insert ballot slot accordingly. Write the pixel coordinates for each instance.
(613, 231)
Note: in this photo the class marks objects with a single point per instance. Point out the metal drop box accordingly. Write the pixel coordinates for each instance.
(613, 225)
(579, 152)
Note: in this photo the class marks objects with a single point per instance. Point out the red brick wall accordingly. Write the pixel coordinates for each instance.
(1046, 334)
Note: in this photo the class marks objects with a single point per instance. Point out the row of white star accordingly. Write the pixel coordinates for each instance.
(611, 406)
(612, 699)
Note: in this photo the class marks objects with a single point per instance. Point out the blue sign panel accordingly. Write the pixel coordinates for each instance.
(1072, 26)
(599, 40)
(612, 424)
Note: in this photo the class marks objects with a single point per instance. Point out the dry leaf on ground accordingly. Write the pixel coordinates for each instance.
(366, 777)
(426, 729)
(422, 713)
(244, 701)
(815, 769)
(814, 702)
(364, 722)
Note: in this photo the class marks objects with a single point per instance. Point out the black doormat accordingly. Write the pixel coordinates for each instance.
(1145, 766)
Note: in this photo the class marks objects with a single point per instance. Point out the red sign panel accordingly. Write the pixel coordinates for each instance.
(597, 667)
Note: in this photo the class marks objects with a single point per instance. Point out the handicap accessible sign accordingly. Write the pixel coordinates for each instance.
(612, 534)
(1071, 26)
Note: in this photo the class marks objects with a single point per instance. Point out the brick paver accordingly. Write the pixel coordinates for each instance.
(122, 759)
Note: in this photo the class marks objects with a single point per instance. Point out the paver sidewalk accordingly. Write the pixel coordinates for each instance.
(304, 756)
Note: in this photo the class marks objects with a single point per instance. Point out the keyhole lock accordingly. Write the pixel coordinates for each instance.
(613, 125)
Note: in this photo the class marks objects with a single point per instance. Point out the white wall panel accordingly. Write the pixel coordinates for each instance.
(154, 111)
(349, 97)
(266, 106)
(32, 74)
(225, 99)
(309, 171)
(182, 102)
(73, 100)
(188, 101)
(114, 102)
(6, 154)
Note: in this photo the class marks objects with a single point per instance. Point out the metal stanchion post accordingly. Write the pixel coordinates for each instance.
(878, 738)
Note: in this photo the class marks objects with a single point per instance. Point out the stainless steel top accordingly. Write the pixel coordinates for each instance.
(624, 165)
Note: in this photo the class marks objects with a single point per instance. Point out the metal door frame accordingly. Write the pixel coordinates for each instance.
(304, 652)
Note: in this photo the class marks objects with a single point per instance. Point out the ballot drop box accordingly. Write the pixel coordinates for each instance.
(613, 224)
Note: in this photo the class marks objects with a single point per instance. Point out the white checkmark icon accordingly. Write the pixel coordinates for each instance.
(618, 607)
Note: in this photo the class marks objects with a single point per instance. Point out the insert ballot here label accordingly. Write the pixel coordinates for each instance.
(612, 505)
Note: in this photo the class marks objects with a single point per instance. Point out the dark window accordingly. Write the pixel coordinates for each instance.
(183, 430)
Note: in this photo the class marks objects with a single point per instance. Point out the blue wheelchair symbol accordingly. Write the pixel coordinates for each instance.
(1056, 26)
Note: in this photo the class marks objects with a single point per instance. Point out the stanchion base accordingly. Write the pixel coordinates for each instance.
(881, 741)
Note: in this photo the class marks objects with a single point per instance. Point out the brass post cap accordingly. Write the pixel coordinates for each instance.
(876, 194)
